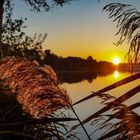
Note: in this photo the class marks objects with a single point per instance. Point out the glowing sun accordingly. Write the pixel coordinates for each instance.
(116, 60)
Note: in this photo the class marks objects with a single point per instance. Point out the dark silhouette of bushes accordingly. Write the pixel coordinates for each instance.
(77, 64)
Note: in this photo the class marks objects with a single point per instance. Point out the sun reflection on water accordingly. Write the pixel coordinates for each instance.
(116, 74)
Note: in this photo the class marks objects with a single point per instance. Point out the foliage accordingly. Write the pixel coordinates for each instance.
(13, 41)
(44, 5)
(16, 42)
(75, 64)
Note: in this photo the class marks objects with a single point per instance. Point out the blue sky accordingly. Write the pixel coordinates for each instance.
(77, 29)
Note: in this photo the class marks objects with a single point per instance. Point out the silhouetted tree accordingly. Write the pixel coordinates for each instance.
(91, 63)
(77, 64)
(51, 59)
(14, 40)
(89, 58)
(36, 5)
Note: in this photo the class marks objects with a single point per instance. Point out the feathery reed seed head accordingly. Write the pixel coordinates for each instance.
(37, 87)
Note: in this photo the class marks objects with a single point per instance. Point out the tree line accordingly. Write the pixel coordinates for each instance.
(76, 64)
(15, 42)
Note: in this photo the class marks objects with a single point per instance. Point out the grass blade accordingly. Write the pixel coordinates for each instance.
(110, 87)
(110, 134)
(109, 106)
(134, 106)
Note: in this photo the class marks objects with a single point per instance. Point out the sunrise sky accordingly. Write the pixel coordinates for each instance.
(77, 29)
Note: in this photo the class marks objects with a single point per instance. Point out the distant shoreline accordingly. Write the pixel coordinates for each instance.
(81, 65)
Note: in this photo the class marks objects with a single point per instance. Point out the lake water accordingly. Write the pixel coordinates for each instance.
(77, 89)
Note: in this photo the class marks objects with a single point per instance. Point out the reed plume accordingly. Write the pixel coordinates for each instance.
(36, 87)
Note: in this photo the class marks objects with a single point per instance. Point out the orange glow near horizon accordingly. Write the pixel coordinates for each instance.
(99, 54)
(116, 60)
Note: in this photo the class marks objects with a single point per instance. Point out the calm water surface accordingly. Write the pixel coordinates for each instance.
(78, 90)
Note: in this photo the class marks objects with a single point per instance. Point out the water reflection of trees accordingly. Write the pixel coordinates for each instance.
(75, 77)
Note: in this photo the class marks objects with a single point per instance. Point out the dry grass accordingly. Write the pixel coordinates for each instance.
(36, 87)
